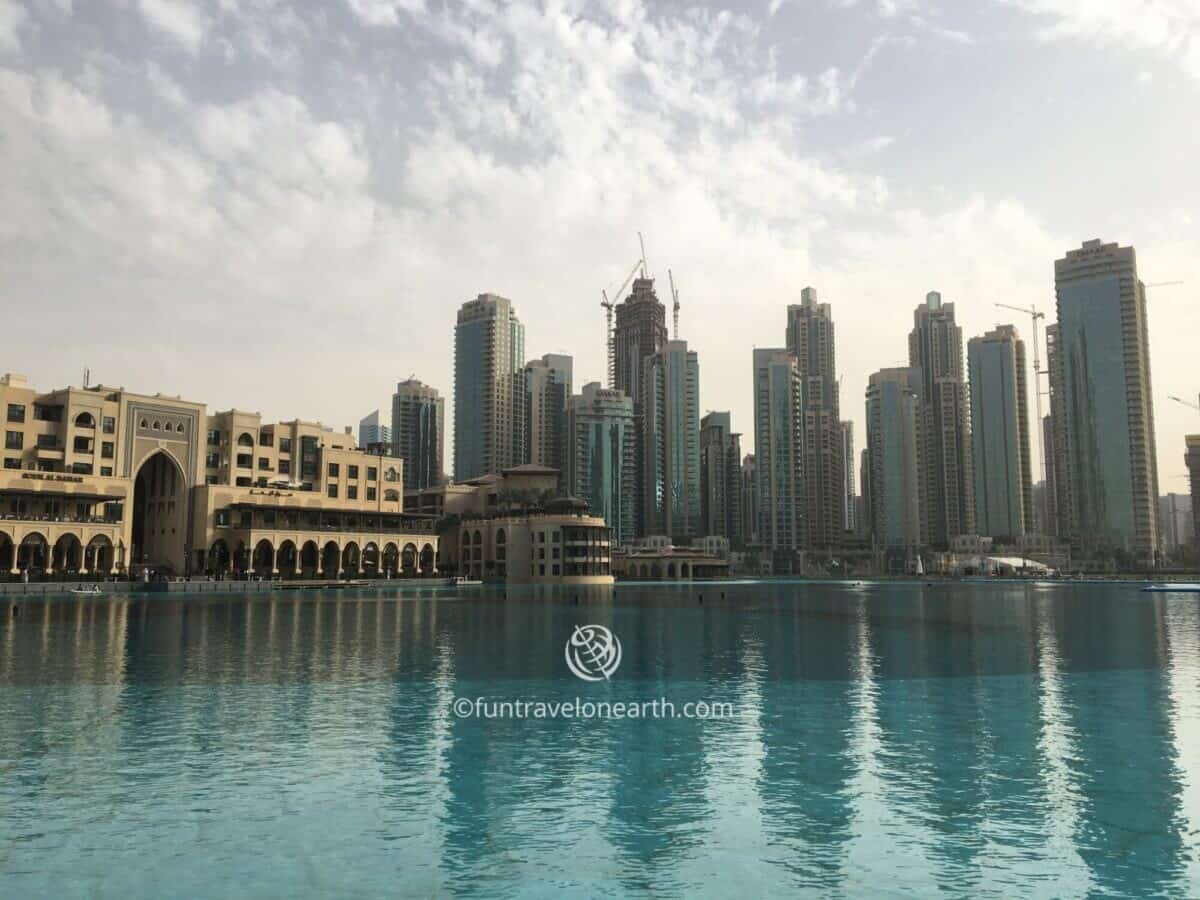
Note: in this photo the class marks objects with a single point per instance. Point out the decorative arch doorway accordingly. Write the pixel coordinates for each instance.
(160, 513)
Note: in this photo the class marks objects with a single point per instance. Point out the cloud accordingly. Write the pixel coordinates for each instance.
(1168, 27)
(180, 20)
(12, 17)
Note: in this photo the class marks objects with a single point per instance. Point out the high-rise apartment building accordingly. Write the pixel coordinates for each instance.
(372, 432)
(1175, 522)
(489, 351)
(892, 471)
(935, 348)
(671, 443)
(1106, 404)
(849, 464)
(419, 433)
(599, 456)
(810, 338)
(1192, 460)
(720, 477)
(548, 387)
(1000, 435)
(640, 332)
(779, 454)
(1058, 482)
(749, 500)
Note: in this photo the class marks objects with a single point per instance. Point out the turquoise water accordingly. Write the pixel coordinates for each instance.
(967, 740)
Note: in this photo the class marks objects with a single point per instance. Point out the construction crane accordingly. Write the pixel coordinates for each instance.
(1186, 403)
(674, 297)
(609, 306)
(643, 243)
(1164, 284)
(1034, 314)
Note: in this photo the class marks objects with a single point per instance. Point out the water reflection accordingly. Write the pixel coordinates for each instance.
(989, 739)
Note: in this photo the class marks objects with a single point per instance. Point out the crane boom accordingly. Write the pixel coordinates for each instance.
(1186, 403)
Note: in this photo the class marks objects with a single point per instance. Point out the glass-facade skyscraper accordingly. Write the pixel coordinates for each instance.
(1000, 435)
(419, 433)
(489, 352)
(671, 435)
(779, 456)
(1107, 402)
(600, 465)
(892, 472)
(720, 477)
(547, 388)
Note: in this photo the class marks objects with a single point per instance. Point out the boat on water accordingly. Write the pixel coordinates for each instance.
(462, 581)
(93, 591)
(1181, 588)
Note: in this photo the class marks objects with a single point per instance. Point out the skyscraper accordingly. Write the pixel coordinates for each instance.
(600, 465)
(1058, 482)
(810, 337)
(749, 500)
(1000, 435)
(892, 471)
(720, 477)
(779, 455)
(849, 464)
(548, 383)
(372, 431)
(1104, 367)
(489, 349)
(1192, 461)
(935, 348)
(419, 433)
(640, 332)
(671, 441)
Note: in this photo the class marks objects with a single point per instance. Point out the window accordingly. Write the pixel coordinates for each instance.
(352, 492)
(243, 481)
(16, 412)
(47, 441)
(106, 450)
(352, 472)
(85, 420)
(371, 493)
(285, 467)
(372, 473)
(222, 518)
(266, 439)
(554, 554)
(14, 440)
(47, 413)
(83, 445)
(244, 440)
(212, 460)
(334, 469)
(81, 468)
(109, 425)
(554, 571)
(12, 462)
(214, 437)
(210, 479)
(113, 512)
(285, 445)
(245, 460)
(264, 463)
(391, 496)
(106, 471)
(333, 490)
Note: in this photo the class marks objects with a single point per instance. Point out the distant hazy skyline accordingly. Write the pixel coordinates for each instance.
(281, 205)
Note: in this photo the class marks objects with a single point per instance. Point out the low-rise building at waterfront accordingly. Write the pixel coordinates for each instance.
(97, 480)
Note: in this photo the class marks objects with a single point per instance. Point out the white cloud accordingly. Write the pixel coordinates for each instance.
(180, 20)
(12, 17)
(1169, 27)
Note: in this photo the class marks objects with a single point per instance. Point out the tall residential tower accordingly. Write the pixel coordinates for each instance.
(419, 433)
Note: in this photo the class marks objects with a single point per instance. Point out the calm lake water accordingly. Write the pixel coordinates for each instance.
(891, 740)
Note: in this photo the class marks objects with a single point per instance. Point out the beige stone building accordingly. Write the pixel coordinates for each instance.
(98, 480)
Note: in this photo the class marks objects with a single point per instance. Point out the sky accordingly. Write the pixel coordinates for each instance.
(279, 206)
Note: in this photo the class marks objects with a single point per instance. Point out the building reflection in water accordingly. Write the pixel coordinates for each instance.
(908, 735)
